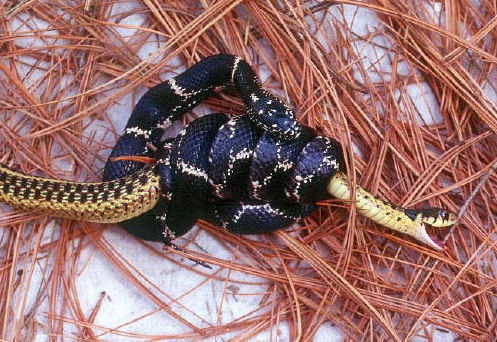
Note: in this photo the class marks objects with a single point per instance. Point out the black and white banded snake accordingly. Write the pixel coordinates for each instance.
(254, 173)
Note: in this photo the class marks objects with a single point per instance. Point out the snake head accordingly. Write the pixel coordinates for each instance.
(434, 217)
(274, 116)
(438, 217)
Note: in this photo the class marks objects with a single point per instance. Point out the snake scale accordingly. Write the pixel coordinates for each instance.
(254, 173)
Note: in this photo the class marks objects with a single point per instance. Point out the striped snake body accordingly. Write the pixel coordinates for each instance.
(105, 202)
(250, 174)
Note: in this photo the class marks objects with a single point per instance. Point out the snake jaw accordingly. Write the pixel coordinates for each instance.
(420, 234)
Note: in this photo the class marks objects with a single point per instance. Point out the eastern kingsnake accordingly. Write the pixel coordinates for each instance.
(253, 173)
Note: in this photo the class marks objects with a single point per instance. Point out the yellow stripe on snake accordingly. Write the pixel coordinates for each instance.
(105, 202)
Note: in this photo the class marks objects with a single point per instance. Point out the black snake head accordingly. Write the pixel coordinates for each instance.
(274, 116)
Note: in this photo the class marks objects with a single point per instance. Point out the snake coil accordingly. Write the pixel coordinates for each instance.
(249, 174)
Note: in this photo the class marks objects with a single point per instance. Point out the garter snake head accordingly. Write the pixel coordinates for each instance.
(435, 217)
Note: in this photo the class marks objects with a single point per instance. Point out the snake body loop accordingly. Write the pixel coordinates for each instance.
(250, 174)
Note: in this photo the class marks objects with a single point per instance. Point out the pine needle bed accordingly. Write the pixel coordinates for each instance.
(410, 91)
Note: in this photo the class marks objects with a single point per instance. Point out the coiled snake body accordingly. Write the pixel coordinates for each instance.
(249, 174)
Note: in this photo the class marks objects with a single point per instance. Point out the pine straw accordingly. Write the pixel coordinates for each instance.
(370, 282)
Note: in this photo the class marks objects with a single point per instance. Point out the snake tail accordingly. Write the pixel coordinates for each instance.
(104, 202)
(407, 221)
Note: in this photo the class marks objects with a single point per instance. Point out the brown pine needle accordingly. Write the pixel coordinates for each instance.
(138, 159)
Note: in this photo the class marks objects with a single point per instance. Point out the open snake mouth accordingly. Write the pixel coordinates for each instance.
(426, 234)
(434, 219)
(431, 221)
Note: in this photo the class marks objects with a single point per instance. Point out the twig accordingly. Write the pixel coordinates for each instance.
(475, 191)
